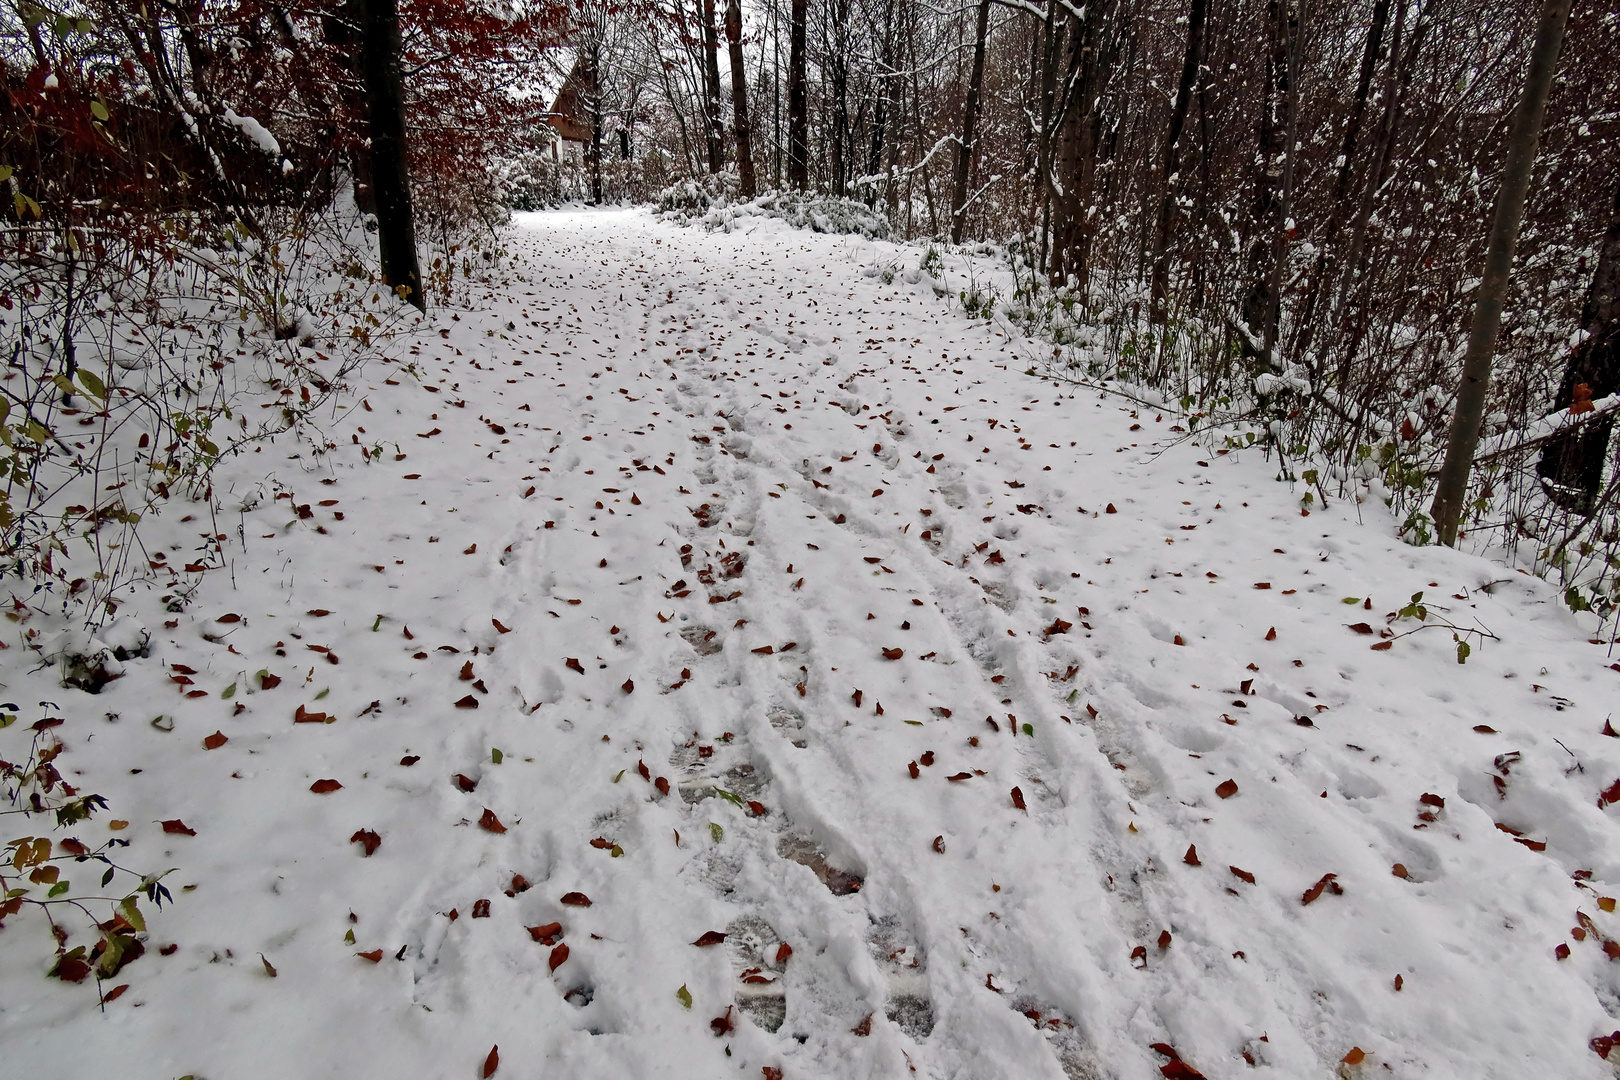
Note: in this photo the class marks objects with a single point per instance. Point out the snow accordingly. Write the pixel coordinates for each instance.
(1084, 604)
(256, 132)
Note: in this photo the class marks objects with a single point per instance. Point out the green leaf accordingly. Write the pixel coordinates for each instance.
(376, 624)
(64, 384)
(228, 693)
(1351, 600)
(728, 796)
(348, 937)
(716, 833)
(617, 777)
(323, 693)
(57, 890)
(36, 431)
(5, 173)
(133, 914)
(616, 851)
(684, 996)
(7, 719)
(915, 723)
(107, 877)
(92, 384)
(99, 111)
(495, 755)
(1463, 651)
(1029, 729)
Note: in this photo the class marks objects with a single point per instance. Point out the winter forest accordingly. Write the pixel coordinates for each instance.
(1214, 395)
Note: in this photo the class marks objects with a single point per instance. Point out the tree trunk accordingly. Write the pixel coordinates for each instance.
(1323, 272)
(798, 111)
(1571, 466)
(711, 90)
(739, 98)
(970, 119)
(591, 56)
(1476, 372)
(390, 168)
(1259, 304)
(1159, 287)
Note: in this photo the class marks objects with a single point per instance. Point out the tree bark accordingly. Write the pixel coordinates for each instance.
(798, 105)
(1159, 286)
(390, 168)
(1571, 465)
(1259, 303)
(970, 119)
(591, 57)
(739, 99)
(711, 90)
(1523, 140)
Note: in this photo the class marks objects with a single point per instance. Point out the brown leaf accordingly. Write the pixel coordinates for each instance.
(783, 952)
(915, 772)
(1058, 627)
(1355, 1057)
(709, 937)
(268, 681)
(763, 650)
(662, 784)
(1110, 509)
(961, 776)
(480, 909)
(544, 932)
(722, 1024)
(939, 844)
(574, 663)
(367, 839)
(1315, 891)
(375, 956)
(1271, 635)
(1362, 628)
(319, 613)
(1383, 646)
(468, 702)
(490, 823)
(499, 629)
(269, 968)
(1241, 874)
(322, 787)
(1018, 800)
(466, 672)
(757, 809)
(893, 654)
(492, 1062)
(575, 899)
(1227, 789)
(1164, 939)
(559, 956)
(628, 686)
(1431, 799)
(304, 716)
(1611, 795)
(215, 741)
(230, 618)
(1191, 858)
(602, 843)
(863, 1028)
(1400, 871)
(179, 827)
(641, 767)
(464, 782)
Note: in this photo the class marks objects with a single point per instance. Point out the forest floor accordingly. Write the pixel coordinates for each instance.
(713, 582)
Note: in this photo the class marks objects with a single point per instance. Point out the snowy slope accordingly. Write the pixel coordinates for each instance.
(784, 585)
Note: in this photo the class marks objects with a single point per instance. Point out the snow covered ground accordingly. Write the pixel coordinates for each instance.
(1002, 732)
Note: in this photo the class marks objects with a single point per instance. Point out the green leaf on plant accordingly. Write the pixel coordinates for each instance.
(58, 889)
(133, 914)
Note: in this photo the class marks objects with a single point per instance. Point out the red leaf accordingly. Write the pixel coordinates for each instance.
(709, 937)
(1018, 799)
(480, 909)
(893, 654)
(1058, 627)
(1362, 628)
(783, 951)
(1241, 874)
(1271, 635)
(1227, 789)
(70, 970)
(722, 1024)
(864, 1028)
(1612, 795)
(1164, 939)
(268, 681)
(559, 956)
(939, 844)
(468, 702)
(233, 617)
(499, 628)
(770, 1073)
(1562, 952)
(1355, 1057)
(756, 808)
(215, 741)
(913, 770)
(375, 956)
(575, 665)
(115, 993)
(662, 785)
(961, 776)
(575, 899)
(465, 783)
(492, 1062)
(179, 827)
(602, 843)
(490, 823)
(1191, 858)
(319, 613)
(546, 932)
(1608, 729)
(322, 787)
(367, 838)
(628, 686)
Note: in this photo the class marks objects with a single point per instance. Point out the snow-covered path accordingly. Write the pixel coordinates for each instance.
(733, 589)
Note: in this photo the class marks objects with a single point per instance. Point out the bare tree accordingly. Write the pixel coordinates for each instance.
(739, 98)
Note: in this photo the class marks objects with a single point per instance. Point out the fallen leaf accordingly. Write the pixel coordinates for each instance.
(1315, 891)
(179, 827)
(1241, 874)
(893, 654)
(575, 899)
(465, 783)
(1191, 858)
(559, 956)
(1355, 1057)
(939, 844)
(468, 702)
(575, 665)
(1400, 871)
(269, 968)
(961, 776)
(1227, 789)
(215, 741)
(1018, 800)
(304, 716)
(368, 839)
(490, 823)
(783, 952)
(863, 1028)
(709, 937)
(492, 1062)
(1271, 635)
(375, 956)
(1164, 939)
(323, 787)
